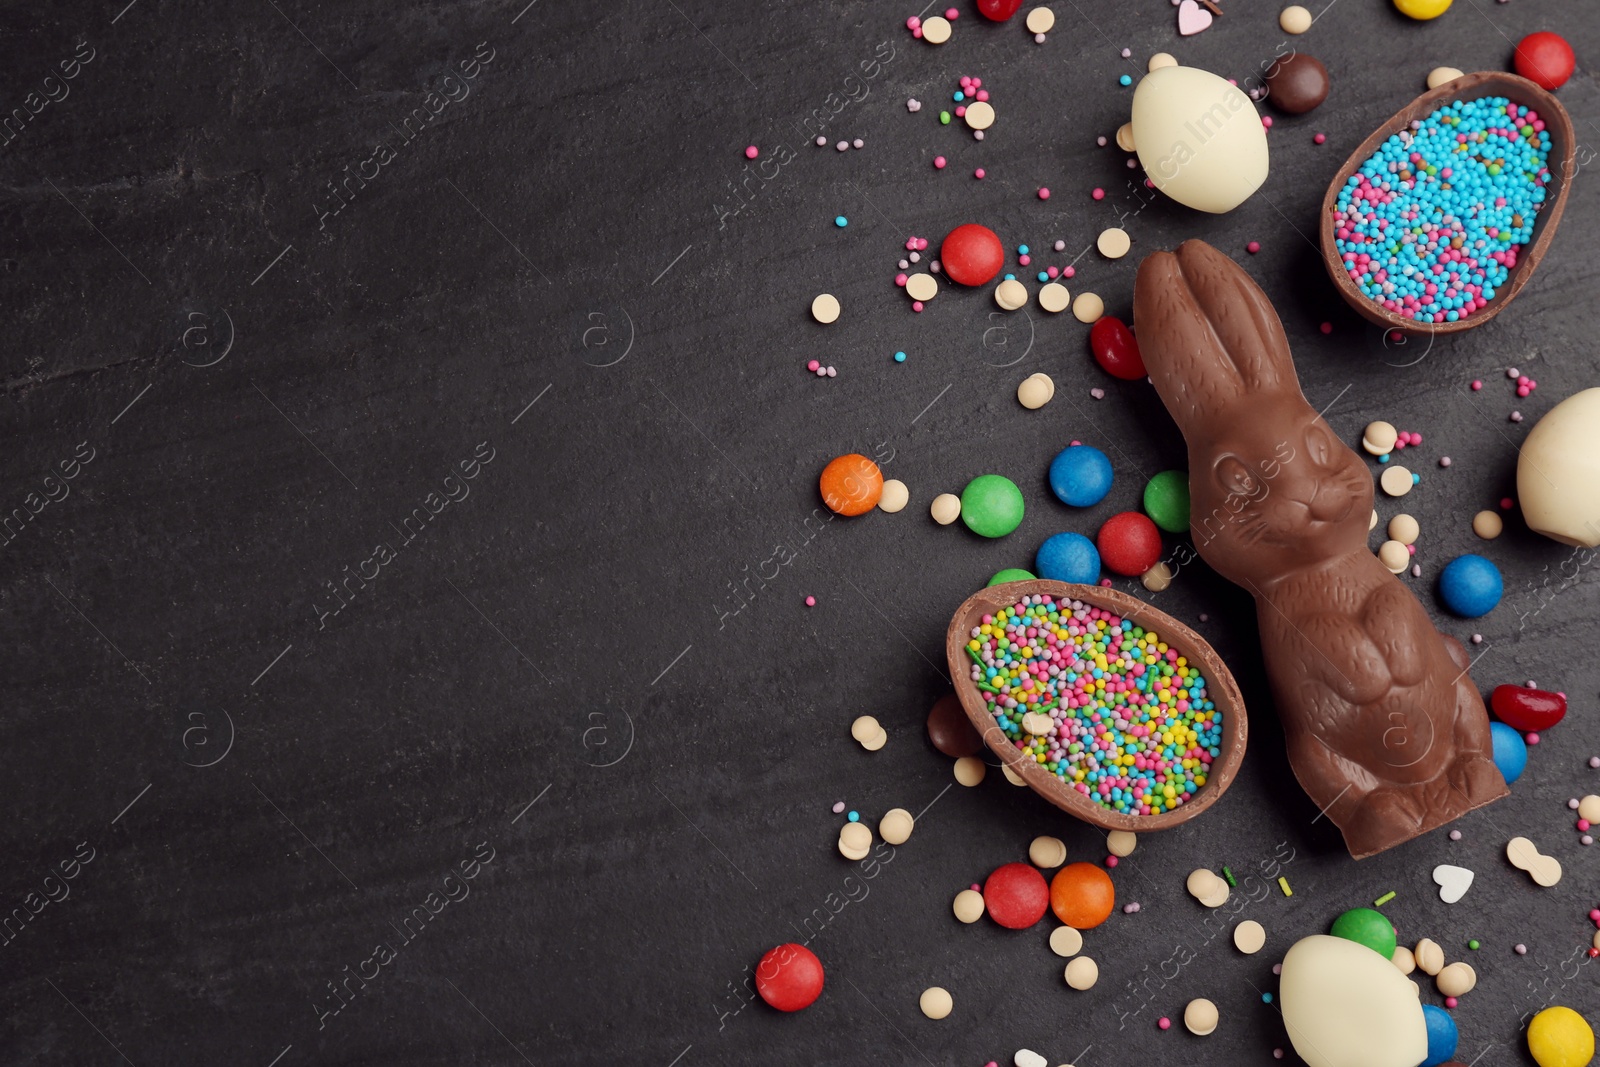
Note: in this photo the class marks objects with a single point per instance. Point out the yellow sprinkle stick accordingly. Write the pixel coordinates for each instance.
(1283, 884)
(1381, 901)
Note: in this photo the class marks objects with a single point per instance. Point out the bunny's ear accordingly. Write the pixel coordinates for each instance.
(1187, 363)
(1241, 316)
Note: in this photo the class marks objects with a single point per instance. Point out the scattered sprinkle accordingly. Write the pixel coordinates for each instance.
(752, 152)
(1229, 876)
(1283, 884)
(840, 221)
(838, 806)
(1455, 835)
(1474, 944)
(1319, 138)
(1381, 901)
(1044, 193)
(811, 602)
(1253, 247)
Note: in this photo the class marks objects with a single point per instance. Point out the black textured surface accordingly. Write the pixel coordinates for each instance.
(267, 394)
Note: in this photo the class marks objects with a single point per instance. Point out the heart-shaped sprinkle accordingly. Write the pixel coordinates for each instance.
(1192, 18)
(1453, 882)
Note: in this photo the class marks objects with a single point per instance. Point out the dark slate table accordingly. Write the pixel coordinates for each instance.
(414, 668)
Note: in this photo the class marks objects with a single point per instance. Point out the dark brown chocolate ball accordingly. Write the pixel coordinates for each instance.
(1297, 83)
(950, 730)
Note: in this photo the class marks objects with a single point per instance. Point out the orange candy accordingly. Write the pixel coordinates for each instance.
(1082, 896)
(851, 485)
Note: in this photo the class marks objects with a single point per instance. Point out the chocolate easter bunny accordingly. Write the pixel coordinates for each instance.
(1385, 730)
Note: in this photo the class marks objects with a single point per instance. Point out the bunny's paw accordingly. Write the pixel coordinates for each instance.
(1477, 779)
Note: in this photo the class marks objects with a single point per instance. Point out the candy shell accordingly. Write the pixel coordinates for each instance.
(1510, 751)
(991, 505)
(1068, 557)
(1016, 896)
(1367, 927)
(1560, 1037)
(1115, 349)
(851, 485)
(1080, 475)
(971, 254)
(1527, 709)
(1470, 586)
(789, 977)
(1442, 1035)
(998, 10)
(1166, 501)
(1544, 58)
(1129, 544)
(1082, 895)
(1011, 574)
(950, 730)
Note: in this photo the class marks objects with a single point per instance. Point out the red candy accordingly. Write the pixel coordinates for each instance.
(1015, 896)
(1527, 710)
(1115, 349)
(789, 977)
(1545, 59)
(1129, 544)
(998, 10)
(972, 254)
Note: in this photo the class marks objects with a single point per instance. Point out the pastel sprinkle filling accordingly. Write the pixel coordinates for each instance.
(1430, 226)
(1099, 702)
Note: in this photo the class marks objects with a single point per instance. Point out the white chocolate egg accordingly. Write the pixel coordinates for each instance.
(1346, 1006)
(1558, 473)
(1199, 139)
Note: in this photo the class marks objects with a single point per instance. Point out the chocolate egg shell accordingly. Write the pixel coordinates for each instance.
(1297, 83)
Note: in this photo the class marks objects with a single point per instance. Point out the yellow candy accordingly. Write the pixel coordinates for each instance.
(1560, 1037)
(1422, 9)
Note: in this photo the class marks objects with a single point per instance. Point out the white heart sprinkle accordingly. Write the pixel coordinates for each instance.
(1453, 882)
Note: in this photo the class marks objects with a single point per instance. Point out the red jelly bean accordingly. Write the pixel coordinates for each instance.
(972, 254)
(1129, 544)
(1545, 59)
(1015, 896)
(1115, 349)
(789, 977)
(1525, 709)
(998, 10)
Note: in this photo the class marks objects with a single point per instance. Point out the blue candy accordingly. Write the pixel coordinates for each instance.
(1510, 752)
(1470, 586)
(1068, 557)
(1442, 1036)
(1080, 476)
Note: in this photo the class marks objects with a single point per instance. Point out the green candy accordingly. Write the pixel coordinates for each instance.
(1012, 574)
(991, 505)
(1366, 927)
(1166, 501)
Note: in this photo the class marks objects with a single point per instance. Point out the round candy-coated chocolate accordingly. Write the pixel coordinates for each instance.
(1560, 1037)
(1129, 544)
(1545, 59)
(991, 505)
(1510, 751)
(998, 10)
(950, 730)
(1297, 83)
(851, 485)
(1527, 709)
(1115, 349)
(789, 977)
(1470, 586)
(1011, 574)
(1016, 896)
(1068, 557)
(1080, 475)
(1367, 927)
(1442, 1035)
(971, 254)
(1166, 501)
(1082, 895)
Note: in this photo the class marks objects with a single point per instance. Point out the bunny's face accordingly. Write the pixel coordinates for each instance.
(1274, 495)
